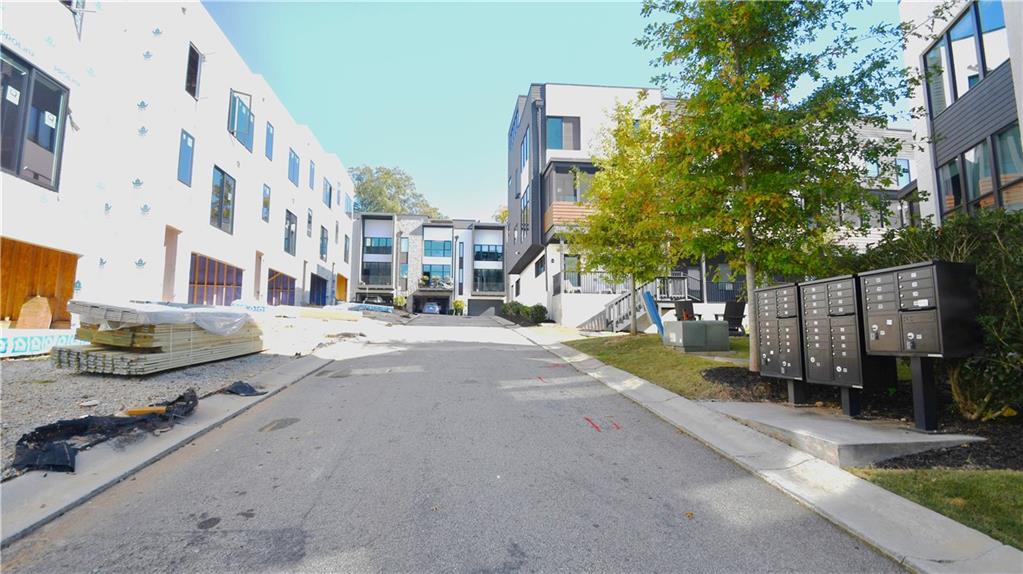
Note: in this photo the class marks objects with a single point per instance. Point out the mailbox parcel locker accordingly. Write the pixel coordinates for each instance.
(924, 310)
(781, 350)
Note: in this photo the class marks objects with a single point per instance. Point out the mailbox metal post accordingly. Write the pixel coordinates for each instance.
(925, 400)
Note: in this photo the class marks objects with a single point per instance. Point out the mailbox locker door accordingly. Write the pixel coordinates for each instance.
(882, 333)
(920, 332)
(817, 345)
(787, 302)
(769, 347)
(790, 350)
(845, 342)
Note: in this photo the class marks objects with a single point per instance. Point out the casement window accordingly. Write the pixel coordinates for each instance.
(348, 246)
(266, 203)
(324, 238)
(290, 232)
(488, 280)
(328, 192)
(488, 253)
(563, 133)
(376, 273)
(312, 174)
(309, 223)
(958, 61)
(539, 267)
(269, 145)
(34, 112)
(240, 120)
(436, 248)
(222, 201)
(192, 71)
(524, 149)
(905, 172)
(378, 246)
(348, 205)
(186, 151)
(970, 179)
(293, 162)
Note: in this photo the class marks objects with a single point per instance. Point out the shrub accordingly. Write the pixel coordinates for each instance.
(513, 309)
(989, 384)
(459, 306)
(537, 313)
(400, 301)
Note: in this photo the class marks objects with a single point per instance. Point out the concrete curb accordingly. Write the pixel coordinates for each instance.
(914, 536)
(35, 498)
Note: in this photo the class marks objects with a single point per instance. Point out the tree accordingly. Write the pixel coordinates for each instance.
(501, 214)
(389, 190)
(759, 170)
(628, 234)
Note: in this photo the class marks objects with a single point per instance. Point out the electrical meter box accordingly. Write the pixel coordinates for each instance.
(781, 349)
(921, 310)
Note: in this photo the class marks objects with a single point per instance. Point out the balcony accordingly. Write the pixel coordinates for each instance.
(565, 213)
(665, 289)
(427, 283)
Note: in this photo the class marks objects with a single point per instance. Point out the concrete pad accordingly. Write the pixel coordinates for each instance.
(834, 437)
(37, 497)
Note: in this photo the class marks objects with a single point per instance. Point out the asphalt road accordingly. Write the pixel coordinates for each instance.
(457, 446)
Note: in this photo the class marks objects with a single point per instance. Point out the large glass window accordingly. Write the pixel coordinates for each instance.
(488, 253)
(34, 111)
(965, 59)
(265, 214)
(488, 280)
(12, 105)
(222, 201)
(290, 232)
(192, 71)
(437, 276)
(376, 273)
(324, 239)
(979, 184)
(951, 186)
(378, 246)
(939, 86)
(992, 33)
(269, 146)
(240, 120)
(186, 149)
(563, 133)
(293, 166)
(433, 248)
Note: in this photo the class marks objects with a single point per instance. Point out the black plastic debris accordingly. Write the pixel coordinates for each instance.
(243, 389)
(55, 446)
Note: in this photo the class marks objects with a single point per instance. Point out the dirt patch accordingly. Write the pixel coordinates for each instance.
(1003, 448)
(742, 385)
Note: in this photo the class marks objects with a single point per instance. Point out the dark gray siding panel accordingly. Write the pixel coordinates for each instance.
(985, 109)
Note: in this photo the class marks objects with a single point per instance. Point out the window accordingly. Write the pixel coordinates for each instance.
(269, 147)
(977, 167)
(34, 110)
(562, 133)
(328, 192)
(312, 174)
(905, 175)
(488, 253)
(378, 246)
(953, 64)
(186, 148)
(376, 273)
(524, 149)
(222, 201)
(403, 245)
(436, 276)
(1009, 153)
(309, 223)
(192, 71)
(403, 271)
(872, 169)
(572, 270)
(517, 287)
(524, 209)
(540, 266)
(950, 186)
(290, 232)
(348, 246)
(266, 203)
(293, 166)
(436, 248)
(337, 232)
(324, 238)
(488, 280)
(348, 205)
(240, 121)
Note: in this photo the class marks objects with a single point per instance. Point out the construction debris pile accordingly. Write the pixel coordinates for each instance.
(141, 339)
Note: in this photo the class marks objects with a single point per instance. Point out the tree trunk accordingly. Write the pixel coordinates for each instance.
(632, 304)
(751, 308)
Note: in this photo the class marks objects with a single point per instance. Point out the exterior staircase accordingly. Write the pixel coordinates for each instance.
(617, 315)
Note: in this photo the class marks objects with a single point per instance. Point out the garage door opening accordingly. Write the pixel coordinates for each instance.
(317, 290)
(212, 282)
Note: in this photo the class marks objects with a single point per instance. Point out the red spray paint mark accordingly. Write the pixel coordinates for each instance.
(616, 426)
(542, 380)
(592, 424)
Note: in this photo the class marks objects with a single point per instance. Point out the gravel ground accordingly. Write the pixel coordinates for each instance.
(34, 392)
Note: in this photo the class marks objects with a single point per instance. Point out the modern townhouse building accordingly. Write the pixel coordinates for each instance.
(973, 59)
(143, 160)
(429, 261)
(554, 132)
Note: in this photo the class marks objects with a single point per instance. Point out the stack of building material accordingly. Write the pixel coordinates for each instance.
(146, 341)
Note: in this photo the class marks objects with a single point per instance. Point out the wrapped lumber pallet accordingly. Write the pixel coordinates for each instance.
(142, 339)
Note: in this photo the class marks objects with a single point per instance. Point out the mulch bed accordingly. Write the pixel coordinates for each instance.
(1003, 448)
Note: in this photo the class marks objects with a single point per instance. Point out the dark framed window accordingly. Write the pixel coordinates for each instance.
(978, 178)
(328, 192)
(432, 248)
(563, 132)
(240, 119)
(524, 149)
(488, 280)
(378, 246)
(518, 286)
(436, 276)
(192, 71)
(309, 223)
(312, 174)
(268, 147)
(524, 211)
(376, 273)
(290, 232)
(265, 213)
(988, 175)
(186, 150)
(572, 268)
(348, 246)
(293, 162)
(222, 201)
(1009, 154)
(324, 240)
(951, 186)
(539, 267)
(34, 111)
(488, 253)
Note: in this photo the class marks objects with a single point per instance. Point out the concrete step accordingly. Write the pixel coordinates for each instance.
(833, 437)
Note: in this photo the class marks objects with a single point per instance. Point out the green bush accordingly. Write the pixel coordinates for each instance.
(989, 384)
(459, 306)
(400, 301)
(537, 313)
(515, 310)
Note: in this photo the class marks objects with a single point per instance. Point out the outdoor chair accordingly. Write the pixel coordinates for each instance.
(735, 312)
(684, 311)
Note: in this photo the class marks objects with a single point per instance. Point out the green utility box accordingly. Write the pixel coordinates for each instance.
(696, 336)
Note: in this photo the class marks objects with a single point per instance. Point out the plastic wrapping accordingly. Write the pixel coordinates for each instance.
(217, 320)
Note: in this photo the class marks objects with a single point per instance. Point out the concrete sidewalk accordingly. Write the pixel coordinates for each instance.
(916, 537)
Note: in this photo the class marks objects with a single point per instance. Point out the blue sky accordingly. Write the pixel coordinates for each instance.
(430, 87)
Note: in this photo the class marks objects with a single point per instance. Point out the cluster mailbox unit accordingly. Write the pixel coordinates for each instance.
(781, 351)
(833, 343)
(921, 311)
